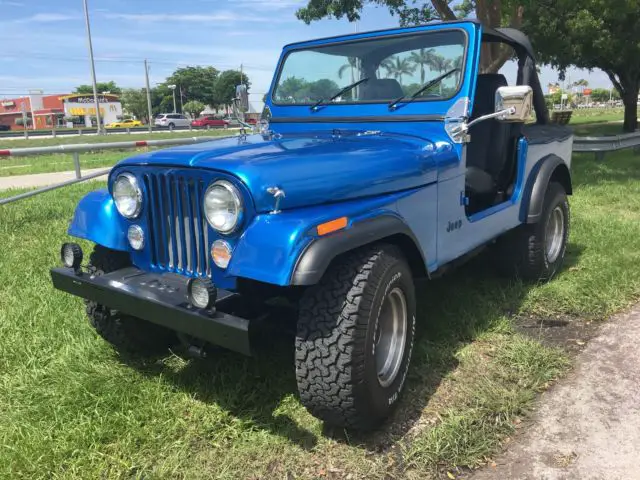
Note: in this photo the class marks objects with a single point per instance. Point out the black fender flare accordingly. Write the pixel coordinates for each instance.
(317, 256)
(549, 168)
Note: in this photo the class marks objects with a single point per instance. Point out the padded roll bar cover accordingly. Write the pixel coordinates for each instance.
(536, 187)
(316, 258)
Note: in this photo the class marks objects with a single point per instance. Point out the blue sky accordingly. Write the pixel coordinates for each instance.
(44, 43)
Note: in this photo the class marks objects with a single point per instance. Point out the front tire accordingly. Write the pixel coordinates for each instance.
(126, 333)
(536, 251)
(354, 338)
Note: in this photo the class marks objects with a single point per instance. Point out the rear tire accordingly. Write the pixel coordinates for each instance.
(536, 251)
(354, 338)
(126, 333)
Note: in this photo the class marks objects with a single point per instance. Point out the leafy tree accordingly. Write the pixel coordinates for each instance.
(396, 67)
(492, 13)
(101, 87)
(591, 34)
(320, 89)
(193, 83)
(134, 101)
(290, 90)
(193, 108)
(603, 95)
(225, 87)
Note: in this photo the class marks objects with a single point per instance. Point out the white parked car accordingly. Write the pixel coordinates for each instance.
(171, 120)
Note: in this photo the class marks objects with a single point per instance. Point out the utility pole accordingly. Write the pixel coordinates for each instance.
(181, 105)
(146, 80)
(173, 89)
(93, 67)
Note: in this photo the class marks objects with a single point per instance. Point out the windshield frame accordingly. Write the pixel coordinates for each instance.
(294, 49)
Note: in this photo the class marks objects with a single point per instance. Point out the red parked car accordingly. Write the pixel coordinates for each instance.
(210, 121)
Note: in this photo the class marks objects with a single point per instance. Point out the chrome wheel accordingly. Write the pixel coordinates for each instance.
(554, 237)
(390, 336)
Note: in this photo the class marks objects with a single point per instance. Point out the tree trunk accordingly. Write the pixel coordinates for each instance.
(630, 100)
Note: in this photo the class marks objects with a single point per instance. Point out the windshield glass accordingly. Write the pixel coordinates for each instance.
(394, 65)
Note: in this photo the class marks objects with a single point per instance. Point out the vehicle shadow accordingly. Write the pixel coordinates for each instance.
(452, 311)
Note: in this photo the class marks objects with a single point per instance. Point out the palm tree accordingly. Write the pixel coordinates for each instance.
(441, 64)
(352, 64)
(422, 58)
(396, 67)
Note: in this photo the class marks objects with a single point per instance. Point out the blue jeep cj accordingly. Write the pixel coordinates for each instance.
(365, 175)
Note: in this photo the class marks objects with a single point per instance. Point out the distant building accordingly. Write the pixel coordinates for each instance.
(553, 88)
(49, 111)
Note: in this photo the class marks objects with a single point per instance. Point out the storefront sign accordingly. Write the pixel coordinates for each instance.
(89, 99)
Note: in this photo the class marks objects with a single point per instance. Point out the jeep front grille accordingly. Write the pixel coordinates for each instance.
(179, 233)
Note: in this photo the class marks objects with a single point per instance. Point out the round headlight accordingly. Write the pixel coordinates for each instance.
(222, 206)
(136, 237)
(127, 195)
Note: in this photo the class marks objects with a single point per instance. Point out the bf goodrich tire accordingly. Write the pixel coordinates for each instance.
(128, 334)
(354, 338)
(536, 251)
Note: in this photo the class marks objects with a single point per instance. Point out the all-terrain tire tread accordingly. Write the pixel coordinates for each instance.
(128, 334)
(329, 356)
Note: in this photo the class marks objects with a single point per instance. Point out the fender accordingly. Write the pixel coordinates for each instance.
(549, 168)
(284, 249)
(96, 219)
(316, 258)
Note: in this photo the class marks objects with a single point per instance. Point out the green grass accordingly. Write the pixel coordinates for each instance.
(64, 162)
(70, 407)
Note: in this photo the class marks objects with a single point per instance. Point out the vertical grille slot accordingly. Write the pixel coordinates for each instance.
(179, 240)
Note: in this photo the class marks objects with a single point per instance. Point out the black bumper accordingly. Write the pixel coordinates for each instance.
(160, 299)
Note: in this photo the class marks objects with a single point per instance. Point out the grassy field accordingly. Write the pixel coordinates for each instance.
(70, 407)
(64, 162)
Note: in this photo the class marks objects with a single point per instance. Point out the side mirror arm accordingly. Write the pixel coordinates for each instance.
(463, 128)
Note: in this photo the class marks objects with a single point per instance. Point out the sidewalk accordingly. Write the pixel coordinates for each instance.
(43, 179)
(588, 425)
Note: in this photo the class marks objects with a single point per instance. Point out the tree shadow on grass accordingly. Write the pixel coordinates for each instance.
(452, 311)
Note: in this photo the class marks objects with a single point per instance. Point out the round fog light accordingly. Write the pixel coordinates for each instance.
(71, 255)
(135, 235)
(202, 293)
(221, 253)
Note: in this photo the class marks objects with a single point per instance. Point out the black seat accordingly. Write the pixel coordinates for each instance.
(381, 89)
(488, 151)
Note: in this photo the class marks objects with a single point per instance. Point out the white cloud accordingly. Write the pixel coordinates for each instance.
(47, 18)
(12, 4)
(190, 18)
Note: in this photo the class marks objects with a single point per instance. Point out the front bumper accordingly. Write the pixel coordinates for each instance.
(160, 299)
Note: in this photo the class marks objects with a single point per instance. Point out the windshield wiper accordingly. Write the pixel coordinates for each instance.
(431, 83)
(322, 101)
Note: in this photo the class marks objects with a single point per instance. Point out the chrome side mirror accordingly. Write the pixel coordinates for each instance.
(515, 101)
(242, 98)
(512, 104)
(241, 106)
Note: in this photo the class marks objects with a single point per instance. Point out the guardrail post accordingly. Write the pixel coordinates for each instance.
(80, 131)
(76, 163)
(599, 156)
(128, 131)
(26, 134)
(636, 150)
(53, 133)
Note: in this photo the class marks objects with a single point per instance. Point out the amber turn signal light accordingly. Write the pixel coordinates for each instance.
(332, 226)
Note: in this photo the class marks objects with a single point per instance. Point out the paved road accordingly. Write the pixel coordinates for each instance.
(42, 179)
(588, 425)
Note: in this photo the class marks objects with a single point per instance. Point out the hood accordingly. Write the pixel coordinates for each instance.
(312, 168)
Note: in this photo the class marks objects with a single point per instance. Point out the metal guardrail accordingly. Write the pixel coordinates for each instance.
(61, 132)
(601, 145)
(76, 149)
